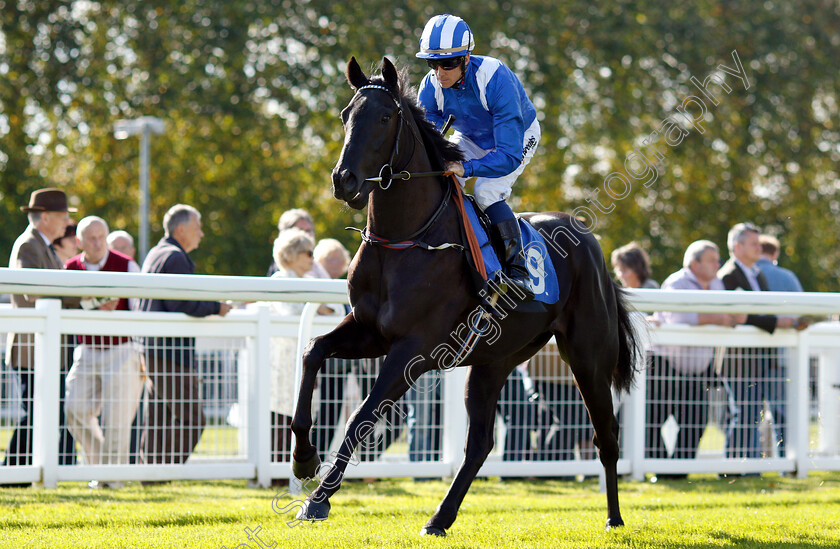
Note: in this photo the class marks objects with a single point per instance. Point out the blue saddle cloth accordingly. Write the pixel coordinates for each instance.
(540, 267)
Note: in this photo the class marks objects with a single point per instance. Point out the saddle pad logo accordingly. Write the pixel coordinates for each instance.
(540, 267)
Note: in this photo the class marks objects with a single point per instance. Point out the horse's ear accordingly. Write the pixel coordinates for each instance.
(354, 73)
(389, 73)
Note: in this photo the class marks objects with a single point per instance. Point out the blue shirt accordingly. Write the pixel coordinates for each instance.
(778, 278)
(490, 107)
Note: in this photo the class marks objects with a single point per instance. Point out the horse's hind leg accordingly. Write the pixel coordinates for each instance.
(593, 362)
(348, 340)
(484, 383)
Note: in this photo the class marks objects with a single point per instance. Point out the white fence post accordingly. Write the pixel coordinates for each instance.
(259, 395)
(828, 389)
(46, 395)
(454, 417)
(634, 424)
(799, 404)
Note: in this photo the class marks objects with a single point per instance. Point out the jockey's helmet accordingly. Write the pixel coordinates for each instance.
(445, 36)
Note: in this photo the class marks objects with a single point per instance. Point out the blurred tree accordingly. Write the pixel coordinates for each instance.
(251, 93)
(40, 45)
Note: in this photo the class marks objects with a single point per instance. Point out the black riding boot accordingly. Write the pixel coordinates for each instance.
(514, 258)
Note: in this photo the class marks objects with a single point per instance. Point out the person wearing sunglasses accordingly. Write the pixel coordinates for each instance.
(495, 125)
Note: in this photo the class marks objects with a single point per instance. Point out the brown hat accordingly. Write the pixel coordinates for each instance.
(48, 200)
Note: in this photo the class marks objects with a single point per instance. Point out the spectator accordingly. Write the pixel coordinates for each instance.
(680, 378)
(300, 219)
(122, 242)
(779, 279)
(106, 378)
(745, 366)
(632, 267)
(176, 418)
(293, 252)
(518, 409)
(332, 256)
(563, 420)
(66, 246)
(48, 220)
(425, 417)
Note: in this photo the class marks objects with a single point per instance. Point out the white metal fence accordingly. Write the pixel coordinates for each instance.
(542, 429)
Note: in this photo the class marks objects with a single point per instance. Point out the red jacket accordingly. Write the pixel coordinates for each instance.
(116, 262)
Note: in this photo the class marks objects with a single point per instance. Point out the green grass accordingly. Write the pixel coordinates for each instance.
(765, 512)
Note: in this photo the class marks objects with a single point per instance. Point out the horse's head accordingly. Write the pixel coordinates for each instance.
(372, 122)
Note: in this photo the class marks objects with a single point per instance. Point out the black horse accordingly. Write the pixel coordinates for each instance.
(407, 301)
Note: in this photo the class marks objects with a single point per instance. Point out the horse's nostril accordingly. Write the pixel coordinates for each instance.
(344, 183)
(345, 176)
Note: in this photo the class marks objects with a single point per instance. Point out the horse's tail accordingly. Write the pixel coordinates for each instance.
(629, 344)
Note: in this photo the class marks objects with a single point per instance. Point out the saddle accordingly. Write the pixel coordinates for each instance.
(483, 255)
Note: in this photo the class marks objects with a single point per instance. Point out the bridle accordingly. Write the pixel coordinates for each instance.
(386, 172)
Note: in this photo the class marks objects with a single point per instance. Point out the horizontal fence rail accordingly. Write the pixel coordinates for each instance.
(247, 361)
(248, 288)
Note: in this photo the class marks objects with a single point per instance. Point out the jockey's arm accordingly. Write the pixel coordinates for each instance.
(508, 130)
(426, 98)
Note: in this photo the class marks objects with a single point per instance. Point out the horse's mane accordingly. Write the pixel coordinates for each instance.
(439, 149)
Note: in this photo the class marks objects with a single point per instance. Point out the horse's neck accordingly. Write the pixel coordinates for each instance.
(405, 206)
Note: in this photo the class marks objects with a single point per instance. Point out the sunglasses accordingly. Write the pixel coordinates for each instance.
(446, 64)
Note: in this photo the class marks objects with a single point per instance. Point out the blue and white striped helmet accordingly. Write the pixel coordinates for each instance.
(445, 36)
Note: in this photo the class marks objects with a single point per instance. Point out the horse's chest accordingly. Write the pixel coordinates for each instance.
(395, 312)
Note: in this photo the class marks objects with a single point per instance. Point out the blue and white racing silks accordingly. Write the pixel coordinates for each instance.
(491, 108)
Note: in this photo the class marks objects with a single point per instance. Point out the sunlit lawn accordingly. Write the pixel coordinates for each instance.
(760, 512)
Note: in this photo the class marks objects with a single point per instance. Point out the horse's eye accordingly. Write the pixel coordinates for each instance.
(386, 118)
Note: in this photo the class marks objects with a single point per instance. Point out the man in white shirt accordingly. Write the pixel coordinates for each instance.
(680, 377)
(106, 378)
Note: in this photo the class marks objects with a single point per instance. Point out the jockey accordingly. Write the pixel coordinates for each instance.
(495, 126)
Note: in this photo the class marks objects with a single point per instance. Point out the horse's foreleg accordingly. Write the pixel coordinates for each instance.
(348, 340)
(393, 381)
(484, 383)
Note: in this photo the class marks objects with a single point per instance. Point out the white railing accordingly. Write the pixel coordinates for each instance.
(252, 330)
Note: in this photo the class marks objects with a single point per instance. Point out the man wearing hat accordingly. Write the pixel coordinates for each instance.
(48, 219)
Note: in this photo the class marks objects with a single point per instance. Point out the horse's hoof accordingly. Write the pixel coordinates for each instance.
(614, 523)
(314, 510)
(432, 531)
(307, 468)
